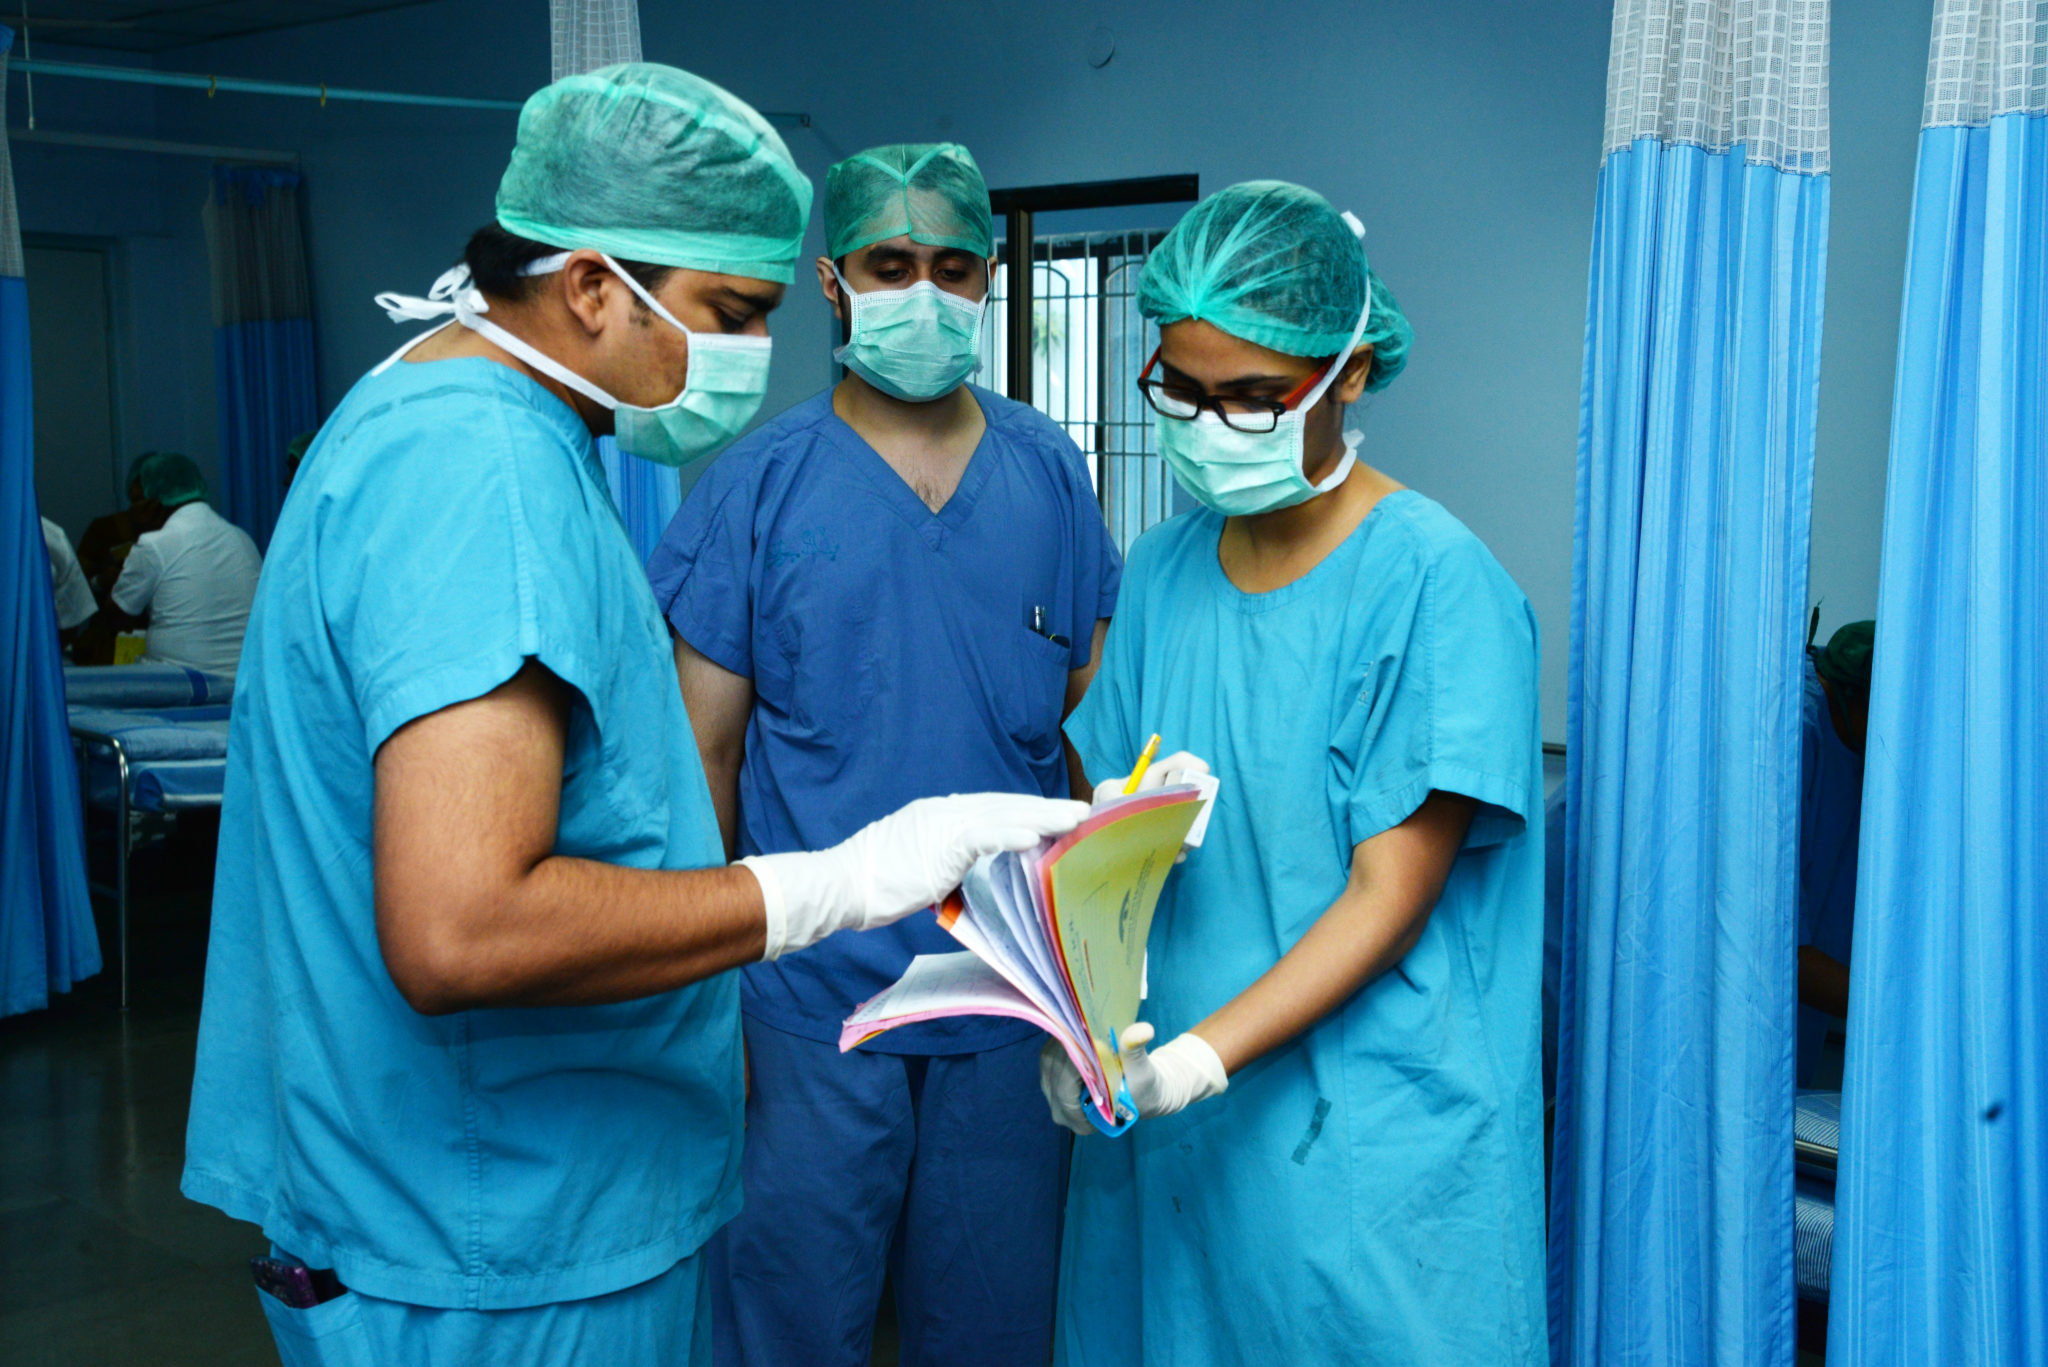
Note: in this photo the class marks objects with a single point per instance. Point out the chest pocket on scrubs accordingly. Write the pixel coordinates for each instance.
(1031, 697)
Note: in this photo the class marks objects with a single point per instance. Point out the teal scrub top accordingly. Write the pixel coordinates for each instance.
(1371, 1192)
(450, 523)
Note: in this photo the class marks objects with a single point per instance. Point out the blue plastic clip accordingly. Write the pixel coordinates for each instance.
(1125, 1107)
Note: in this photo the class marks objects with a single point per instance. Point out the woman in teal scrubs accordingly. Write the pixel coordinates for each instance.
(1340, 1153)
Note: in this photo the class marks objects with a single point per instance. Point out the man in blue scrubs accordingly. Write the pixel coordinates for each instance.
(1836, 718)
(897, 588)
(468, 1054)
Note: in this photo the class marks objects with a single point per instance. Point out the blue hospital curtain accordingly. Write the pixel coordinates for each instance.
(1671, 1215)
(1941, 1208)
(263, 337)
(47, 941)
(583, 36)
(646, 494)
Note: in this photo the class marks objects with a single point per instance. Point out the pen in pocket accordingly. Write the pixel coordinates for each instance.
(1036, 620)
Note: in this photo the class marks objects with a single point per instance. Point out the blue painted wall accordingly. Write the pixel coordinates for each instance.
(1466, 133)
(144, 212)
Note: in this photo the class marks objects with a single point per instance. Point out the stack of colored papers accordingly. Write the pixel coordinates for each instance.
(1055, 936)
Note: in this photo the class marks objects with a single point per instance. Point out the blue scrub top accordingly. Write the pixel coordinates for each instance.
(1830, 816)
(890, 656)
(451, 523)
(1373, 1190)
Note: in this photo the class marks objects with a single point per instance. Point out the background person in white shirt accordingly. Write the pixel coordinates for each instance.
(192, 574)
(75, 603)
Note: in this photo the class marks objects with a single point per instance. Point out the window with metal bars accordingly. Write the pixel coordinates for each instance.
(1083, 337)
(1088, 346)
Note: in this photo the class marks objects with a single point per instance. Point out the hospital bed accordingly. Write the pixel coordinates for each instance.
(1816, 1144)
(144, 685)
(150, 742)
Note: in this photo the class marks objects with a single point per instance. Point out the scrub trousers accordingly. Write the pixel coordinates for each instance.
(665, 1322)
(944, 1169)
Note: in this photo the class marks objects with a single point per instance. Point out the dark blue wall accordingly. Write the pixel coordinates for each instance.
(1466, 134)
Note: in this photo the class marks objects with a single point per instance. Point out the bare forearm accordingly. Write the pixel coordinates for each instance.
(1077, 776)
(1396, 878)
(1823, 982)
(574, 932)
(719, 703)
(722, 772)
(1345, 949)
(1077, 688)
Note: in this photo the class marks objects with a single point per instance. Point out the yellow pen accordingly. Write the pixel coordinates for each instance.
(1144, 763)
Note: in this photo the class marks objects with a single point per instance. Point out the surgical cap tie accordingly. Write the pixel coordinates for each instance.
(726, 378)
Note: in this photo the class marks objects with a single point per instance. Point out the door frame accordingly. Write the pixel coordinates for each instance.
(107, 248)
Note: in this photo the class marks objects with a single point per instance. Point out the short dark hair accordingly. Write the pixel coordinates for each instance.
(497, 262)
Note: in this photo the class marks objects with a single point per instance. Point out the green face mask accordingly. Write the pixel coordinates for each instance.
(1239, 474)
(915, 344)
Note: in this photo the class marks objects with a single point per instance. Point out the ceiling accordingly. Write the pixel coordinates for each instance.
(162, 25)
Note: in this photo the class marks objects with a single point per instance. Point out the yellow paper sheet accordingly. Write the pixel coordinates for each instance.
(1103, 891)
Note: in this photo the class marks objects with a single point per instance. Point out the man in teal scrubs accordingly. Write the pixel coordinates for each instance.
(468, 1052)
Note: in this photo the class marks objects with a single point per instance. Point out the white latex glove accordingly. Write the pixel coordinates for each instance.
(903, 863)
(1178, 767)
(1172, 1077)
(1061, 1083)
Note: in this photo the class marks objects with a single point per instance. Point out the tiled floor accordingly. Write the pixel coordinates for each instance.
(101, 1260)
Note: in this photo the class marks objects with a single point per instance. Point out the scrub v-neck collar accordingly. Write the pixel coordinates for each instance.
(1267, 600)
(896, 490)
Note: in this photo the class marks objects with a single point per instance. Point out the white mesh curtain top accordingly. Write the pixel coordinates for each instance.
(588, 34)
(1986, 58)
(10, 224)
(1720, 74)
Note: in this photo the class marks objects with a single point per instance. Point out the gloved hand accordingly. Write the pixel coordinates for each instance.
(1061, 1083)
(1178, 767)
(900, 864)
(1174, 1076)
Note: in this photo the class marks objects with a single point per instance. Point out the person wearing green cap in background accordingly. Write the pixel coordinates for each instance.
(107, 539)
(105, 544)
(190, 577)
(1835, 718)
(468, 1052)
(1339, 1156)
(895, 589)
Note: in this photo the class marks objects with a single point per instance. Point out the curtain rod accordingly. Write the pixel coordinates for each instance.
(104, 143)
(211, 84)
(184, 80)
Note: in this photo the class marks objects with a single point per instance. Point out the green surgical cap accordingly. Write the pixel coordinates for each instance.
(1275, 264)
(1845, 662)
(295, 450)
(649, 163)
(172, 480)
(930, 192)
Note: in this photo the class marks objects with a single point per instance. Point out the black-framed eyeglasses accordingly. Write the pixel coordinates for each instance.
(1241, 414)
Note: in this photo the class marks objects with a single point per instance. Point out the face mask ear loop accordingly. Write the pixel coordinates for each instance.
(849, 300)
